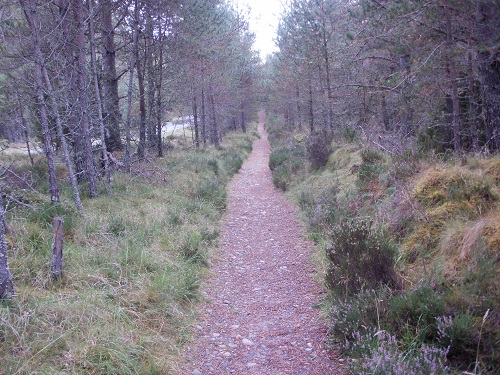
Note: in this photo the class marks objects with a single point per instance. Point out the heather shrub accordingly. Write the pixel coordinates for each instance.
(319, 148)
(370, 168)
(325, 211)
(382, 355)
(358, 314)
(459, 334)
(285, 163)
(413, 315)
(361, 257)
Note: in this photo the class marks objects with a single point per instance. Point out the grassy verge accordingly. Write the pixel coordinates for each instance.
(132, 266)
(409, 251)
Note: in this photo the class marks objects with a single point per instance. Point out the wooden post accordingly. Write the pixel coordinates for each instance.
(57, 249)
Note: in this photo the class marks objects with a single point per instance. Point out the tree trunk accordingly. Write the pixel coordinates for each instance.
(311, 109)
(203, 117)
(385, 114)
(29, 10)
(243, 119)
(452, 76)
(56, 267)
(133, 55)
(489, 69)
(142, 103)
(214, 133)
(142, 111)
(111, 102)
(159, 84)
(25, 128)
(150, 58)
(195, 119)
(102, 129)
(64, 144)
(68, 35)
(407, 120)
(328, 78)
(472, 103)
(6, 284)
(299, 111)
(82, 97)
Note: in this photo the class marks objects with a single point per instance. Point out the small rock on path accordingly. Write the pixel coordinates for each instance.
(261, 318)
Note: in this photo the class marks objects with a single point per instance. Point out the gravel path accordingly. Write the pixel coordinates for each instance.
(260, 316)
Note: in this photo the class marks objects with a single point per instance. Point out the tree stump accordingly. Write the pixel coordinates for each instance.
(56, 267)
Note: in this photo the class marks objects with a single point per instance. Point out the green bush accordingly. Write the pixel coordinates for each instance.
(326, 210)
(278, 157)
(459, 334)
(285, 163)
(358, 314)
(360, 258)
(369, 156)
(319, 148)
(370, 168)
(413, 315)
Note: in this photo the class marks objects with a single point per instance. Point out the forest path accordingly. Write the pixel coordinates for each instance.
(260, 318)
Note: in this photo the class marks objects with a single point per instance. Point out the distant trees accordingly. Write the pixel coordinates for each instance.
(88, 71)
(414, 70)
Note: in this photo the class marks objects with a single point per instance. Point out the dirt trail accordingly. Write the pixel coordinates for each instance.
(260, 318)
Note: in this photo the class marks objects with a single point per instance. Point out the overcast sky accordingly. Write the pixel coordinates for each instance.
(264, 22)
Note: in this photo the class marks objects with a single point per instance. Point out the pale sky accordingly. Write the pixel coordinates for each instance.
(264, 19)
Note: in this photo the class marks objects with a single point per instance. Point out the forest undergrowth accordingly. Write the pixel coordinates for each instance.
(408, 248)
(132, 264)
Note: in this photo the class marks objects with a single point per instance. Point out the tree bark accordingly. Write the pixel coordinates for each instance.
(111, 102)
(311, 109)
(299, 111)
(97, 92)
(150, 59)
(132, 64)
(32, 18)
(82, 97)
(489, 69)
(203, 117)
(214, 131)
(56, 267)
(472, 103)
(159, 84)
(64, 144)
(142, 103)
(328, 78)
(6, 285)
(452, 76)
(195, 119)
(25, 128)
(142, 109)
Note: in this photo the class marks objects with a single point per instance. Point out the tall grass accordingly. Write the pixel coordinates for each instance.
(132, 268)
